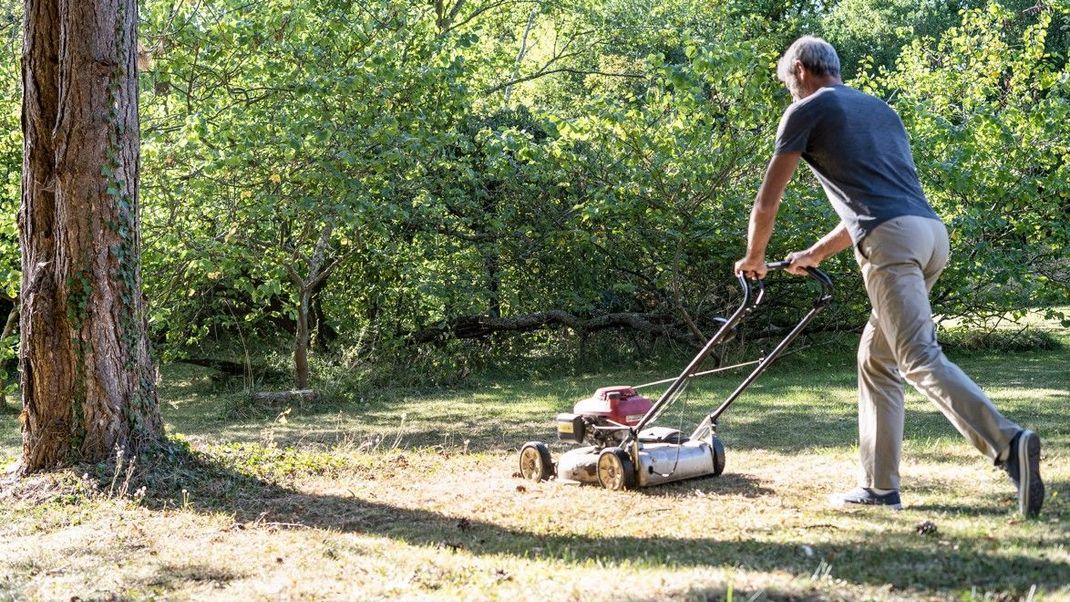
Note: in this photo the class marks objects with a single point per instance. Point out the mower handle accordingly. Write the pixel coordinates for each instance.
(821, 277)
(751, 299)
(822, 301)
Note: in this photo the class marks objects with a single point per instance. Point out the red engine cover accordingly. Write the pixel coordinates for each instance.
(619, 404)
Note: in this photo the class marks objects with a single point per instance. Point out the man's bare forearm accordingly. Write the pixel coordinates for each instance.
(760, 229)
(832, 243)
(767, 203)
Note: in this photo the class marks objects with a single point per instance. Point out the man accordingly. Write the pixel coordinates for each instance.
(857, 148)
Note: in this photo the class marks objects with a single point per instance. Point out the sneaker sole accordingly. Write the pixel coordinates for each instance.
(1030, 486)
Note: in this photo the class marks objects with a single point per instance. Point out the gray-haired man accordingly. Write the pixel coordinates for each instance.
(857, 147)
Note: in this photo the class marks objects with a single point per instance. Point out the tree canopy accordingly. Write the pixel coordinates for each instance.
(392, 183)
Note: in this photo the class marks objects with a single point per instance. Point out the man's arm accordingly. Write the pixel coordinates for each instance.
(763, 214)
(830, 244)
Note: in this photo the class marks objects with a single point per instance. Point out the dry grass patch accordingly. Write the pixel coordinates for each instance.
(436, 524)
(359, 503)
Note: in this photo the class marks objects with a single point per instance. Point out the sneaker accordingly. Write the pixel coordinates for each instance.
(866, 497)
(1023, 465)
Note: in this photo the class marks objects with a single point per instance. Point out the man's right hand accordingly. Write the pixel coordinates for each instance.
(752, 268)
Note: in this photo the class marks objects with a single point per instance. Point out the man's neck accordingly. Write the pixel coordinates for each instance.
(813, 84)
(826, 81)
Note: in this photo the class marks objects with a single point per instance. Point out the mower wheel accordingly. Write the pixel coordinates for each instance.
(615, 469)
(535, 463)
(718, 455)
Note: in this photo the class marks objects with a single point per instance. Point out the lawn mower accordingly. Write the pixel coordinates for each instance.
(623, 450)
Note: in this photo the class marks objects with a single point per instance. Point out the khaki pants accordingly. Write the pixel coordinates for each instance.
(901, 260)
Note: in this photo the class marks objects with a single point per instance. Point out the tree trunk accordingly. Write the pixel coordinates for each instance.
(322, 333)
(301, 341)
(494, 281)
(87, 377)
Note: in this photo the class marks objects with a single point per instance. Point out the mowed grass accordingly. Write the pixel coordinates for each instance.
(413, 496)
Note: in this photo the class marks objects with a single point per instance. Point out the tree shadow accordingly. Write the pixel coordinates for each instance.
(897, 560)
(497, 416)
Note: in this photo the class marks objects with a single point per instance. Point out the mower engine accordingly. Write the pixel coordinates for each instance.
(603, 419)
(603, 422)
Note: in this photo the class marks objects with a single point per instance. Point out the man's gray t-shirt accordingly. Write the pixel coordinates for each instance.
(857, 147)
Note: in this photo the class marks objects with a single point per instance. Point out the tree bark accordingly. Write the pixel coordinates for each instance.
(320, 267)
(87, 376)
(301, 341)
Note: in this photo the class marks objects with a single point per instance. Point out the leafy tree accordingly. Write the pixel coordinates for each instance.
(300, 160)
(987, 110)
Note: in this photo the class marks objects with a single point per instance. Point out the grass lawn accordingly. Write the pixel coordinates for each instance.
(413, 497)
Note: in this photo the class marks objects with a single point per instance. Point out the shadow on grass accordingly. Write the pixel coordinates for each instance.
(904, 560)
(727, 484)
(787, 429)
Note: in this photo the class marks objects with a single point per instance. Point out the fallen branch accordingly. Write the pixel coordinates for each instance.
(228, 368)
(283, 397)
(474, 327)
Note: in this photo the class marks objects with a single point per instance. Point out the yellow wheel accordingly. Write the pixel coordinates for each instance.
(615, 469)
(535, 464)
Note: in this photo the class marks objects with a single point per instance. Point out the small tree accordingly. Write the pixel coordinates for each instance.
(87, 377)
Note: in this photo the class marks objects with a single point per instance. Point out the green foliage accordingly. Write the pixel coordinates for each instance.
(988, 113)
(10, 180)
(395, 169)
(302, 157)
(442, 206)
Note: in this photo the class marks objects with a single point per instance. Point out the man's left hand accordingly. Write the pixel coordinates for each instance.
(800, 260)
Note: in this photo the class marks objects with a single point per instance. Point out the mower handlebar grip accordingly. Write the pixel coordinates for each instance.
(778, 265)
(816, 274)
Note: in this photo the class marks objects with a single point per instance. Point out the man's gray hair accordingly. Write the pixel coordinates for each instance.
(817, 55)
